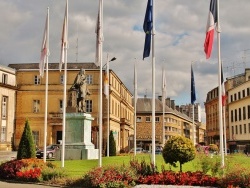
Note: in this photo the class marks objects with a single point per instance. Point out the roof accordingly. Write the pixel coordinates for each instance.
(144, 105)
(54, 66)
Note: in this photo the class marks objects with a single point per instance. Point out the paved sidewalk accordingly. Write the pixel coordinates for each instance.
(7, 155)
(10, 184)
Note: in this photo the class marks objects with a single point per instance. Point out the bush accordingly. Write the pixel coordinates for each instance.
(178, 149)
(27, 146)
(109, 177)
(32, 170)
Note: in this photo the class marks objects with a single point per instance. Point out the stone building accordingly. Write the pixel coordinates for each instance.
(237, 113)
(7, 110)
(175, 123)
(30, 103)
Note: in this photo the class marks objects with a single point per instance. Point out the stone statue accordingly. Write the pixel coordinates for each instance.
(80, 85)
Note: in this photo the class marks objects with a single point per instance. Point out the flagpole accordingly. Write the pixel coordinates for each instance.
(153, 88)
(64, 88)
(225, 129)
(135, 101)
(219, 83)
(163, 105)
(46, 90)
(100, 88)
(108, 126)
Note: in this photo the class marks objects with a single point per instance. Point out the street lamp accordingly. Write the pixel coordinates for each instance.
(107, 95)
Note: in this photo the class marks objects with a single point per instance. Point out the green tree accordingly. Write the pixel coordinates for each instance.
(26, 147)
(112, 145)
(178, 149)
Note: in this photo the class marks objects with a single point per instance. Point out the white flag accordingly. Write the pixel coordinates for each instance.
(64, 37)
(99, 35)
(45, 46)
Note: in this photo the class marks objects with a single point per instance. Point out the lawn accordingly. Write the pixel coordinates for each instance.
(76, 168)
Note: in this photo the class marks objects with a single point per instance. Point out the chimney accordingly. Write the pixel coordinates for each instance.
(173, 104)
(168, 102)
(160, 98)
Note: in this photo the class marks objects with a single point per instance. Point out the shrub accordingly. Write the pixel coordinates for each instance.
(213, 148)
(109, 177)
(27, 146)
(30, 170)
(178, 149)
(142, 168)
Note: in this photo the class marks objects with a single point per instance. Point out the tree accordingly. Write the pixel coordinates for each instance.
(26, 147)
(178, 149)
(112, 145)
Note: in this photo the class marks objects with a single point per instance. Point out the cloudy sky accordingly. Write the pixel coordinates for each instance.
(180, 33)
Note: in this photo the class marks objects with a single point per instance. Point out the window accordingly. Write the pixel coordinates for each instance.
(239, 114)
(4, 107)
(231, 98)
(248, 91)
(36, 137)
(61, 79)
(232, 116)
(61, 105)
(36, 106)
(138, 119)
(148, 119)
(5, 78)
(245, 128)
(37, 80)
(236, 129)
(235, 97)
(157, 119)
(248, 127)
(232, 130)
(3, 134)
(89, 79)
(240, 129)
(88, 105)
(244, 113)
(248, 111)
(235, 114)
(239, 97)
(243, 93)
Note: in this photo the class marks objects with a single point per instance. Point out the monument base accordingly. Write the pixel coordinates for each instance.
(77, 152)
(78, 143)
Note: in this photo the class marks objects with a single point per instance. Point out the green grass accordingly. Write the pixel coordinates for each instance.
(77, 168)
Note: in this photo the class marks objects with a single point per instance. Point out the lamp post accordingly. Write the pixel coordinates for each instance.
(107, 95)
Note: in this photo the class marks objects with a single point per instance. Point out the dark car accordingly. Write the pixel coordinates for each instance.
(50, 150)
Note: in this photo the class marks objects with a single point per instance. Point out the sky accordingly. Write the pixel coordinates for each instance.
(179, 37)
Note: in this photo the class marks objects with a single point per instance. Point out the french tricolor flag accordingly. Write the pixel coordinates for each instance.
(212, 20)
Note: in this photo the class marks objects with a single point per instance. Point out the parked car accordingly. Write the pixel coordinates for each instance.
(50, 151)
(158, 150)
(138, 150)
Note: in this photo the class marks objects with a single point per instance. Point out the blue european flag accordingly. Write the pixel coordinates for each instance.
(193, 94)
(147, 27)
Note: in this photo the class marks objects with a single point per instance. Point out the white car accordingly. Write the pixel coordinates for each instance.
(138, 150)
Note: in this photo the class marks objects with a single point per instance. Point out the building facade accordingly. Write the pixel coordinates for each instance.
(175, 123)
(239, 112)
(7, 110)
(235, 113)
(30, 103)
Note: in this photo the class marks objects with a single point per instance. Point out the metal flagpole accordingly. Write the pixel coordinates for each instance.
(100, 89)
(193, 129)
(135, 101)
(153, 88)
(46, 91)
(108, 127)
(219, 82)
(225, 129)
(163, 105)
(64, 88)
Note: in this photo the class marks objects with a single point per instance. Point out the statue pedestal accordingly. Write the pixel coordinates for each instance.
(78, 143)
